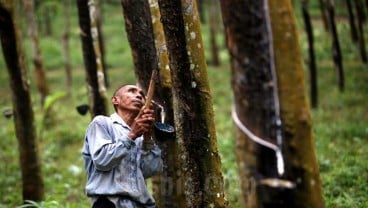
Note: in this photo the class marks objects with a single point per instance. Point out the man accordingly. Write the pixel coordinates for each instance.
(117, 157)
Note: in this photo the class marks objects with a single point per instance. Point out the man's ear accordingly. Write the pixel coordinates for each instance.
(114, 100)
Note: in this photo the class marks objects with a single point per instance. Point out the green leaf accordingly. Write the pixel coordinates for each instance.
(51, 99)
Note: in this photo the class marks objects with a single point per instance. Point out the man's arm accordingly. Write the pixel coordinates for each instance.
(151, 162)
(106, 151)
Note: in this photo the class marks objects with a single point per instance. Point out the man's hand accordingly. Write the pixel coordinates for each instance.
(142, 124)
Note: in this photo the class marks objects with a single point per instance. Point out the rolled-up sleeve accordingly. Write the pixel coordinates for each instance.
(106, 151)
(151, 161)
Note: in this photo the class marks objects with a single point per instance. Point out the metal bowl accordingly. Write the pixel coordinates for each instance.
(163, 131)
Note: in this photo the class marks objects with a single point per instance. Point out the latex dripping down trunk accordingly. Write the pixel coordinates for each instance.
(161, 130)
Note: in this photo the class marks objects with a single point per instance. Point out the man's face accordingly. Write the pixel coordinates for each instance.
(129, 97)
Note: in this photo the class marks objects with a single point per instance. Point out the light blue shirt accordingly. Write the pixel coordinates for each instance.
(116, 165)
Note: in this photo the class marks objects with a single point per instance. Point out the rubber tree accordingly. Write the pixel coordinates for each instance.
(214, 28)
(200, 182)
(352, 24)
(25, 130)
(98, 15)
(95, 76)
(95, 18)
(312, 65)
(65, 46)
(324, 14)
(39, 69)
(142, 30)
(359, 7)
(336, 49)
(138, 26)
(274, 141)
(46, 10)
(165, 192)
(301, 165)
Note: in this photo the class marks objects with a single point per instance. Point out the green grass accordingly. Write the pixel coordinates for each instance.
(340, 123)
(341, 133)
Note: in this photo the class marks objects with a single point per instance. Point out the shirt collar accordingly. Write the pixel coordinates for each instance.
(117, 119)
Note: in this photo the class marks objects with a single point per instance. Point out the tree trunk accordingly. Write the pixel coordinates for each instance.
(65, 46)
(138, 25)
(101, 41)
(214, 20)
(32, 182)
(200, 179)
(360, 21)
(164, 186)
(94, 16)
(300, 161)
(266, 129)
(256, 103)
(312, 61)
(39, 71)
(141, 31)
(97, 97)
(353, 29)
(336, 50)
(324, 14)
(201, 5)
(47, 15)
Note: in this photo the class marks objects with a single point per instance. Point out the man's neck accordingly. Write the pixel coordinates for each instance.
(127, 116)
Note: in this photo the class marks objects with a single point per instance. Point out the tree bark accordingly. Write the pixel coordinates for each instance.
(312, 61)
(39, 69)
(138, 25)
(214, 20)
(165, 191)
(200, 178)
(66, 48)
(202, 15)
(360, 22)
(300, 161)
(94, 9)
(141, 31)
(353, 29)
(96, 96)
(336, 50)
(101, 41)
(324, 14)
(32, 182)
(270, 108)
(47, 14)
(249, 42)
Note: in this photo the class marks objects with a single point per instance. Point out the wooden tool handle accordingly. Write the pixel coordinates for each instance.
(151, 89)
(150, 92)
